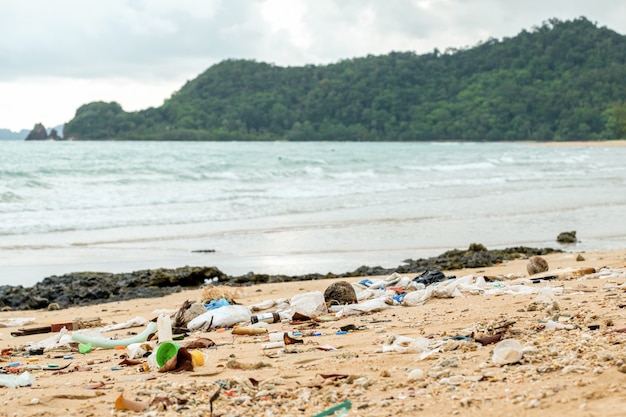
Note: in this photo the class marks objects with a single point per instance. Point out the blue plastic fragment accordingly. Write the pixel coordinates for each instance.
(366, 282)
(398, 298)
(213, 304)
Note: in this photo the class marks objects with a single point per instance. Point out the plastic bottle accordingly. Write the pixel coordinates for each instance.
(12, 381)
(277, 337)
(164, 328)
(266, 317)
(273, 345)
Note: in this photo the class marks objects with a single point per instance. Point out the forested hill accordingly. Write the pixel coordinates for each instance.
(564, 80)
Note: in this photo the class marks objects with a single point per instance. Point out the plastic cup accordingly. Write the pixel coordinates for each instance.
(507, 351)
(197, 358)
(165, 352)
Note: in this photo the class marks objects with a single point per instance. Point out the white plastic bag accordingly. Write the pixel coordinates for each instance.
(12, 381)
(310, 304)
(225, 316)
(369, 306)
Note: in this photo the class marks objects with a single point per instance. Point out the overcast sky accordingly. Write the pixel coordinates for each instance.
(56, 55)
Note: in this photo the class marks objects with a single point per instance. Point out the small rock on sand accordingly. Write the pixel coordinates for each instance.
(536, 265)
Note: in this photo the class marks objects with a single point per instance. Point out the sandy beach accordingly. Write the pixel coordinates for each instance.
(576, 370)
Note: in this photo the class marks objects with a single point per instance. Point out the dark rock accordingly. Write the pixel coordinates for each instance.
(340, 293)
(39, 132)
(474, 257)
(54, 135)
(567, 237)
(35, 303)
(83, 288)
(537, 264)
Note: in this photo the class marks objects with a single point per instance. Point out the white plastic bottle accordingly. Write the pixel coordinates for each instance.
(164, 328)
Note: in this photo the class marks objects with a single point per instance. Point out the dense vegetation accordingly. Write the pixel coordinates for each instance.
(564, 80)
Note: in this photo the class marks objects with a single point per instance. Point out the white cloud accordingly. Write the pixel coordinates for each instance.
(58, 55)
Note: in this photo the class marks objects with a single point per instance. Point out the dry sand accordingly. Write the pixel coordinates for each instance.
(578, 372)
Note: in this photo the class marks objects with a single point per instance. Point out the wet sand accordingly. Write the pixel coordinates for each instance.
(568, 372)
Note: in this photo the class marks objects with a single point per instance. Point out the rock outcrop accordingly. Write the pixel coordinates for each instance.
(40, 132)
(567, 237)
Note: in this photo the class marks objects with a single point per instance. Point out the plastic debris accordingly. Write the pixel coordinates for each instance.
(226, 316)
(343, 408)
(136, 322)
(213, 304)
(98, 341)
(507, 351)
(404, 344)
(25, 379)
(310, 304)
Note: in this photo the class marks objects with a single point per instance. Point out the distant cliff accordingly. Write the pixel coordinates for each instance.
(564, 80)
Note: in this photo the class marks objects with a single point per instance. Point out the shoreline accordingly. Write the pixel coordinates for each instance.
(562, 371)
(29, 265)
(71, 289)
(608, 143)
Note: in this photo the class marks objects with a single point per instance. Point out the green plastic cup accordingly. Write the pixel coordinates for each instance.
(165, 352)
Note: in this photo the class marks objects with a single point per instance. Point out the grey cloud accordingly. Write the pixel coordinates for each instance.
(125, 39)
(160, 39)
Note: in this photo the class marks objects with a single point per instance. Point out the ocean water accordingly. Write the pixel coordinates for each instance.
(294, 208)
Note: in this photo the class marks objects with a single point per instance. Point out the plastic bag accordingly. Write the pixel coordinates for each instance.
(369, 306)
(12, 381)
(226, 316)
(310, 304)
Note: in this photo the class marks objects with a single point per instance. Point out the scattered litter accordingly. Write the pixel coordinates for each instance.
(99, 341)
(290, 324)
